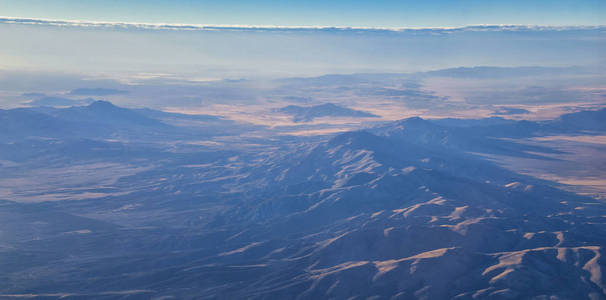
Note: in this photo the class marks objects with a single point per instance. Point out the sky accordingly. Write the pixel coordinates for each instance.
(355, 13)
(206, 54)
(76, 43)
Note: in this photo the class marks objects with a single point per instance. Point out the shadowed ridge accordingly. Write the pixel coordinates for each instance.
(104, 112)
(309, 113)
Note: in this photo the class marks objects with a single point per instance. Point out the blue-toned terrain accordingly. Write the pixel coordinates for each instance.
(104, 202)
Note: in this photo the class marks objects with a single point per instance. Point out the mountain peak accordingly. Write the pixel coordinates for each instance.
(415, 122)
(101, 104)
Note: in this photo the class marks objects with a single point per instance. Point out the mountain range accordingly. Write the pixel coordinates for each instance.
(402, 210)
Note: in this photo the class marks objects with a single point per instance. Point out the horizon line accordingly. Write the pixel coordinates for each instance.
(210, 27)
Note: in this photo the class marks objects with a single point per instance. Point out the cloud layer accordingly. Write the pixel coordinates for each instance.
(212, 27)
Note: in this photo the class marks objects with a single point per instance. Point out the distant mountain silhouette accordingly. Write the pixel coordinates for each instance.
(309, 113)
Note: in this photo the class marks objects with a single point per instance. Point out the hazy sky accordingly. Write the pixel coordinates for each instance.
(203, 54)
(385, 13)
(29, 43)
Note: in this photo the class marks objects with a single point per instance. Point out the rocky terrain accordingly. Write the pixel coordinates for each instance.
(103, 202)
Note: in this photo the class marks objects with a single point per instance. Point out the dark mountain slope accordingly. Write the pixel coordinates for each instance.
(309, 113)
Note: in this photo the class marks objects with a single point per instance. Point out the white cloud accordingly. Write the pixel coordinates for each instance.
(211, 27)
